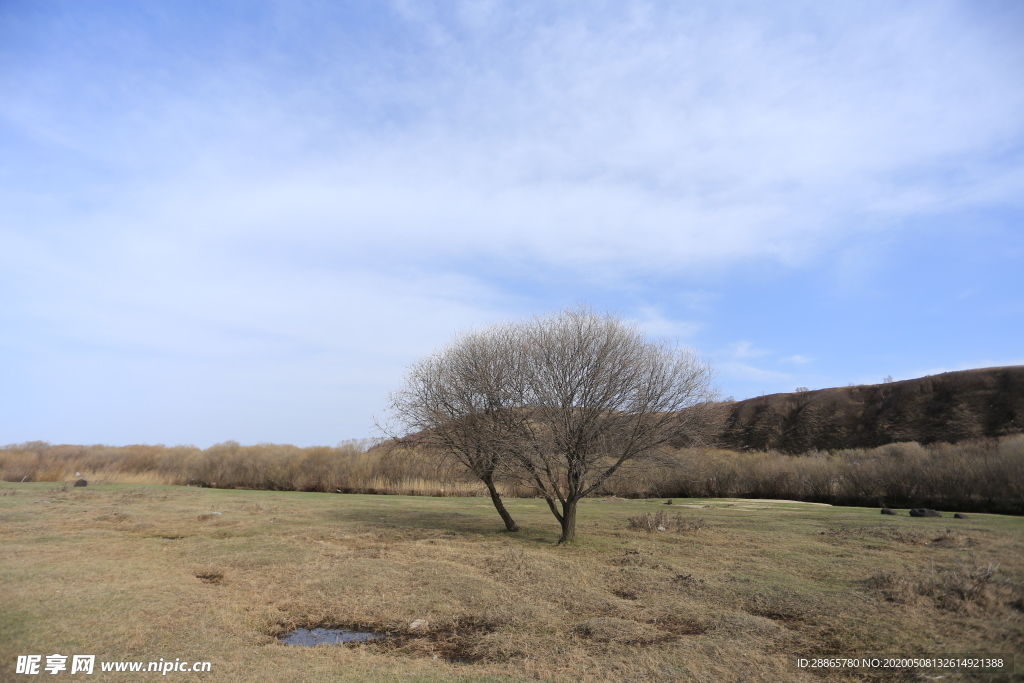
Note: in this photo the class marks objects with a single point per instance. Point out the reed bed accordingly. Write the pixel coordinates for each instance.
(985, 475)
(981, 475)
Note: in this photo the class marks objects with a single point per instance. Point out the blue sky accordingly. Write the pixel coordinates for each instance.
(244, 220)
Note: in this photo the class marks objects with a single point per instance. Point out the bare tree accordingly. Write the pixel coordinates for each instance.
(459, 401)
(600, 394)
(558, 402)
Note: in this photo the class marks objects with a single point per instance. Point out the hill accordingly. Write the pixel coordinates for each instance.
(950, 407)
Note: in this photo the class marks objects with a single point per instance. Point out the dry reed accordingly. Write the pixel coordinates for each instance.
(983, 475)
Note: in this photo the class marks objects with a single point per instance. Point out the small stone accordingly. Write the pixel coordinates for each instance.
(668, 502)
(661, 528)
(887, 511)
(959, 515)
(81, 482)
(418, 624)
(924, 512)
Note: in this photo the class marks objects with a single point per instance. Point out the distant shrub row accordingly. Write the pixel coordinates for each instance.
(982, 475)
(347, 468)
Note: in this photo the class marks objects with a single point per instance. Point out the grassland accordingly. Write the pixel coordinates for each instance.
(141, 573)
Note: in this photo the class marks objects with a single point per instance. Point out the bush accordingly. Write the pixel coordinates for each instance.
(983, 475)
(661, 521)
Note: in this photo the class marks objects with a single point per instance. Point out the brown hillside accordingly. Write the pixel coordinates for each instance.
(949, 407)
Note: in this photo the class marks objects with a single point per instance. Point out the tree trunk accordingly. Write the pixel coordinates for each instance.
(568, 520)
(510, 523)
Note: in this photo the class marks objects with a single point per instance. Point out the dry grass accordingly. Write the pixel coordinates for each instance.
(982, 475)
(986, 475)
(347, 468)
(964, 587)
(662, 521)
(134, 573)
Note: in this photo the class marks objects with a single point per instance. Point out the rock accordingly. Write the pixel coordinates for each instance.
(959, 515)
(887, 511)
(668, 502)
(81, 482)
(419, 624)
(924, 512)
(661, 528)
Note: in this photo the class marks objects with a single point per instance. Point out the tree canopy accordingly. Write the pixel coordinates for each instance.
(557, 402)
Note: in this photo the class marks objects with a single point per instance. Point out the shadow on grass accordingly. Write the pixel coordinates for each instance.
(437, 523)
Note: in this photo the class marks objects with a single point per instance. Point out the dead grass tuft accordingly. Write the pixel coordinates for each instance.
(662, 521)
(682, 627)
(638, 558)
(884, 532)
(115, 516)
(782, 606)
(213, 577)
(454, 646)
(955, 588)
(615, 630)
(954, 538)
(687, 581)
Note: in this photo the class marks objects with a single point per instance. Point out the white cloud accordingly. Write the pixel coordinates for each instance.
(306, 195)
(734, 370)
(657, 324)
(650, 137)
(745, 349)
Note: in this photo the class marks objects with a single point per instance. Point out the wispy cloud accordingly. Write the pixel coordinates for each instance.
(656, 323)
(744, 371)
(639, 134)
(287, 188)
(745, 349)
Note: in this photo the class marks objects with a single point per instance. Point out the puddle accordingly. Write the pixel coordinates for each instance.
(332, 636)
